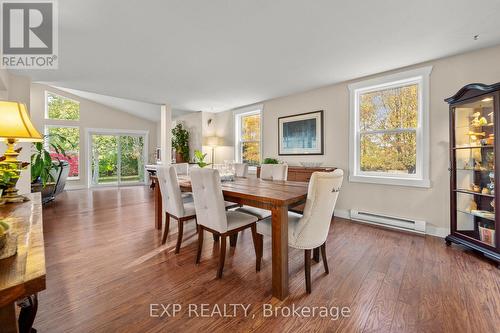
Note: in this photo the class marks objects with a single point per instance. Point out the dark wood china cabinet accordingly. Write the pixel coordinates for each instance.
(474, 157)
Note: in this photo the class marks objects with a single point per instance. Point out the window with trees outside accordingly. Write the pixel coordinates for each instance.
(70, 144)
(62, 117)
(248, 130)
(389, 129)
(61, 108)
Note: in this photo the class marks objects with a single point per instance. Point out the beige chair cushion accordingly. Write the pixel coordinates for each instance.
(236, 219)
(229, 204)
(265, 228)
(258, 212)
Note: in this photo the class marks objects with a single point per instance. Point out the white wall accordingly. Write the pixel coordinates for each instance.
(92, 115)
(432, 205)
(224, 128)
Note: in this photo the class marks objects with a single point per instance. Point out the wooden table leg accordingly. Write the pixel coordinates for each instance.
(8, 320)
(280, 251)
(158, 208)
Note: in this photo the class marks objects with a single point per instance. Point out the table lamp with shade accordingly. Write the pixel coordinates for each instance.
(15, 126)
(213, 142)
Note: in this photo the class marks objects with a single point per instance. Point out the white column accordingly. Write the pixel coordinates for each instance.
(166, 134)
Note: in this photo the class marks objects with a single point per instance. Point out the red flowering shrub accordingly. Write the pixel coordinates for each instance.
(72, 160)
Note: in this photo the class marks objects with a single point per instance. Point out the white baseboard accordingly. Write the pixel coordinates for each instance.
(429, 230)
(437, 231)
(69, 187)
(343, 213)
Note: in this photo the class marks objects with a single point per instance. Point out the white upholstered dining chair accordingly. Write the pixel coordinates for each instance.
(173, 204)
(212, 216)
(181, 168)
(267, 172)
(274, 171)
(241, 169)
(310, 230)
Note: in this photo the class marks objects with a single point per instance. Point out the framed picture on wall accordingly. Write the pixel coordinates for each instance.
(301, 134)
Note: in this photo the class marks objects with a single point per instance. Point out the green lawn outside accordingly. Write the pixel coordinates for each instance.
(114, 179)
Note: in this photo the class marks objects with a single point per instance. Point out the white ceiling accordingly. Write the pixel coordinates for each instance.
(141, 109)
(220, 54)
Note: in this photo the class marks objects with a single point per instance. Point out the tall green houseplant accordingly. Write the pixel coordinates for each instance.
(41, 161)
(180, 142)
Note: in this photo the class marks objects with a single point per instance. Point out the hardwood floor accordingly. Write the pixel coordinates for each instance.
(106, 265)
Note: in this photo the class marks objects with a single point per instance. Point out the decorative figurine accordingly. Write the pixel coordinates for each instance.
(490, 140)
(475, 121)
(485, 190)
(475, 188)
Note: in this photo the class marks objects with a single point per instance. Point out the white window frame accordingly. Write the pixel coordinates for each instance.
(238, 114)
(418, 76)
(46, 112)
(47, 144)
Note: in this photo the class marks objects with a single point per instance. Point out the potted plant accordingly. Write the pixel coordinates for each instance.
(180, 142)
(199, 158)
(269, 160)
(42, 163)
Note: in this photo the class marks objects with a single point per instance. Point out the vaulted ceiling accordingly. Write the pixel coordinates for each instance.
(219, 54)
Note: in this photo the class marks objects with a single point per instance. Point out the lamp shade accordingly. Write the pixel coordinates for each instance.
(212, 141)
(16, 124)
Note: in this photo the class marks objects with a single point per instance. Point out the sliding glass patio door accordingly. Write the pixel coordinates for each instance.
(117, 159)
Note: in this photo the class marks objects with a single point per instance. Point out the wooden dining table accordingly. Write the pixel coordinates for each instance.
(276, 196)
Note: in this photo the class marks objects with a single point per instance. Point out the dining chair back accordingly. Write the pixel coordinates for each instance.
(181, 168)
(274, 171)
(208, 199)
(241, 169)
(323, 191)
(170, 190)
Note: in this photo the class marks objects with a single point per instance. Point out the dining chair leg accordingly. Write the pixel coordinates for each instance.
(216, 237)
(307, 269)
(200, 244)
(167, 227)
(323, 255)
(222, 256)
(180, 223)
(233, 239)
(259, 250)
(316, 255)
(255, 239)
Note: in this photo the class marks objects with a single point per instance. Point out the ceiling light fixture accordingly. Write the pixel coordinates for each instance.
(487, 99)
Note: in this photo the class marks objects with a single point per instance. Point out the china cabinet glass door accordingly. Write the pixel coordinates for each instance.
(473, 155)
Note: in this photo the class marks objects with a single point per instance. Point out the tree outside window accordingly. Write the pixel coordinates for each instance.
(250, 139)
(389, 129)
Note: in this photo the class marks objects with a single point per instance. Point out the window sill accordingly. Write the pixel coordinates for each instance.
(424, 183)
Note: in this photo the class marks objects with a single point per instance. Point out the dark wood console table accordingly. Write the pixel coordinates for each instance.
(22, 275)
(301, 174)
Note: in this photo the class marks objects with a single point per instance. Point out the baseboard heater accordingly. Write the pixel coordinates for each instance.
(387, 221)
